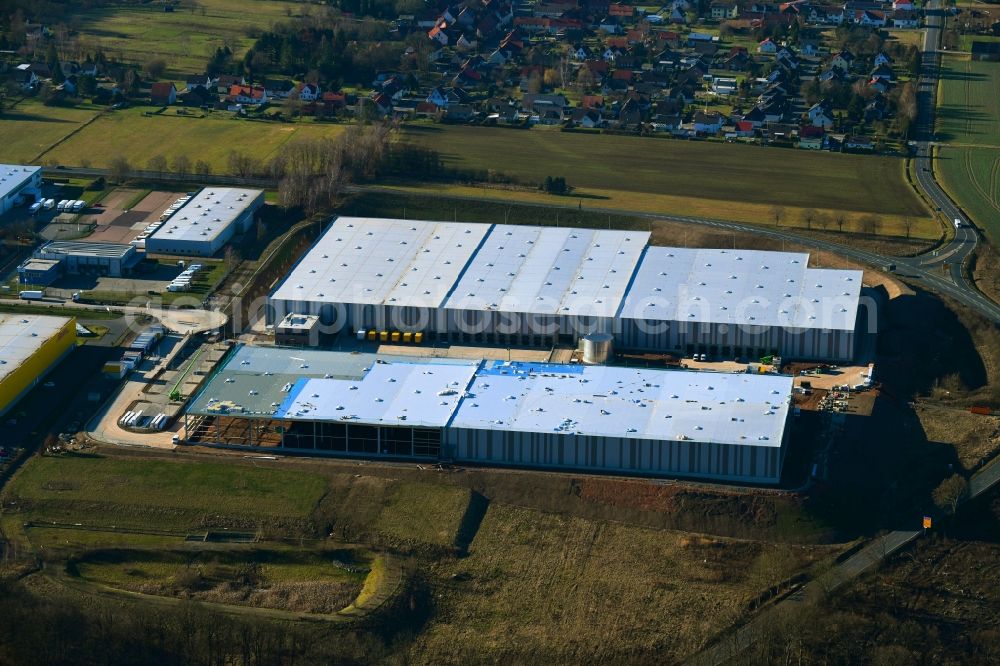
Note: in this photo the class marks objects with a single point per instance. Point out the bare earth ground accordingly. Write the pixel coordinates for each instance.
(538, 587)
(975, 437)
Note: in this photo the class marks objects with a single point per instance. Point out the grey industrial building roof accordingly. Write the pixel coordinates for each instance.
(740, 409)
(741, 287)
(206, 215)
(87, 249)
(577, 272)
(12, 175)
(550, 270)
(21, 335)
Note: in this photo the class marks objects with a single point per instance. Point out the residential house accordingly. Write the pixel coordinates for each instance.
(767, 46)
(880, 85)
(198, 81)
(708, 122)
(905, 19)
(610, 25)
(630, 113)
(382, 103)
(587, 118)
(278, 88)
(882, 58)
(738, 59)
(460, 113)
(225, 83)
(438, 34)
(875, 109)
(842, 60)
(308, 92)
(745, 128)
(162, 93)
(809, 46)
(724, 85)
(903, 5)
(811, 137)
(870, 17)
(859, 144)
(244, 94)
(756, 117)
(592, 102)
(821, 114)
(883, 72)
(25, 77)
(724, 9)
(580, 52)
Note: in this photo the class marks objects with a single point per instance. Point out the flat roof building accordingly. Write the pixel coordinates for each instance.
(87, 258)
(30, 346)
(17, 183)
(203, 225)
(509, 284)
(599, 418)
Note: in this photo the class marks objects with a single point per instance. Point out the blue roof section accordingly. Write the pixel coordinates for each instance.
(603, 401)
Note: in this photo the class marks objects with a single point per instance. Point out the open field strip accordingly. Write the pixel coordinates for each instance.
(30, 128)
(589, 199)
(185, 38)
(969, 125)
(699, 169)
(138, 137)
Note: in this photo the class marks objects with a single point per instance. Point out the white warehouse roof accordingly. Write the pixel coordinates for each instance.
(383, 262)
(605, 401)
(741, 287)
(550, 270)
(206, 215)
(742, 409)
(566, 271)
(21, 335)
(13, 175)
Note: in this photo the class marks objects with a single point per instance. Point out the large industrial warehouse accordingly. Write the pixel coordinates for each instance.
(17, 183)
(203, 225)
(509, 284)
(30, 346)
(538, 415)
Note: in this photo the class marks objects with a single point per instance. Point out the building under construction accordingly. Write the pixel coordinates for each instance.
(724, 426)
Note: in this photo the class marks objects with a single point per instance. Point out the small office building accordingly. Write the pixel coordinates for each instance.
(80, 258)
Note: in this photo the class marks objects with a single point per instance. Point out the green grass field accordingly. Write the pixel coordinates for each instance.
(211, 139)
(969, 122)
(185, 38)
(161, 494)
(30, 128)
(690, 169)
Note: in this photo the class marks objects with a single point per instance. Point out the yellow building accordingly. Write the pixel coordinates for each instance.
(30, 346)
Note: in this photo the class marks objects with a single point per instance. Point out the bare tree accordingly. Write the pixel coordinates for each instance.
(157, 163)
(840, 219)
(202, 168)
(949, 494)
(908, 226)
(119, 169)
(242, 164)
(822, 220)
(181, 164)
(870, 224)
(778, 213)
(809, 216)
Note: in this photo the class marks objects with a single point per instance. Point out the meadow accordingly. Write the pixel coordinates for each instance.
(138, 137)
(969, 124)
(185, 38)
(645, 166)
(28, 128)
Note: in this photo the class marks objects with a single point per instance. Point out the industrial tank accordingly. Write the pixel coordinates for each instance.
(597, 348)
